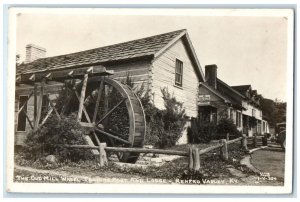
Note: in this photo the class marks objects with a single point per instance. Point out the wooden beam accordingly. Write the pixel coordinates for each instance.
(83, 108)
(63, 74)
(69, 97)
(25, 103)
(98, 101)
(90, 70)
(28, 119)
(49, 76)
(39, 106)
(132, 149)
(203, 151)
(224, 149)
(46, 117)
(32, 77)
(112, 136)
(196, 159)
(18, 79)
(71, 73)
(87, 125)
(191, 161)
(102, 155)
(97, 139)
(105, 105)
(82, 96)
(111, 111)
(35, 105)
(234, 140)
(53, 106)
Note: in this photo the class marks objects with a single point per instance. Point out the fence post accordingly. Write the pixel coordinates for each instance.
(196, 159)
(102, 155)
(254, 138)
(224, 149)
(244, 142)
(227, 136)
(191, 162)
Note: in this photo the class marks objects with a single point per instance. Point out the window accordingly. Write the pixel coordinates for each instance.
(178, 72)
(22, 115)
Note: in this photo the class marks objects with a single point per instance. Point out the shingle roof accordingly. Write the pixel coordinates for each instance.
(220, 82)
(242, 88)
(132, 49)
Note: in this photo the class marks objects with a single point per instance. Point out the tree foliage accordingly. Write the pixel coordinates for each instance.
(164, 126)
(274, 111)
(225, 126)
(201, 132)
(49, 139)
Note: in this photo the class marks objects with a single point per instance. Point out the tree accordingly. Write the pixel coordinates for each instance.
(274, 111)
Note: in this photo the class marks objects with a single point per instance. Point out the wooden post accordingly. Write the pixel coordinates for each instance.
(53, 106)
(82, 96)
(191, 162)
(105, 107)
(244, 142)
(254, 139)
(224, 149)
(227, 136)
(102, 155)
(35, 105)
(39, 105)
(98, 102)
(196, 159)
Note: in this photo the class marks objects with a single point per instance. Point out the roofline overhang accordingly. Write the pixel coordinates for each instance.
(215, 92)
(191, 50)
(102, 63)
(230, 88)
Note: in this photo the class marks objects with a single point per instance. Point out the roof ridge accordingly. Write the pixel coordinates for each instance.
(63, 55)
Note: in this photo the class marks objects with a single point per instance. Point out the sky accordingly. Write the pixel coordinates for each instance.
(246, 49)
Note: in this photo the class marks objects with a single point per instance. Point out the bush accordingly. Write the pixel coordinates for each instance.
(49, 138)
(201, 132)
(225, 126)
(164, 127)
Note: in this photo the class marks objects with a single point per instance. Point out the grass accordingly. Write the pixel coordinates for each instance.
(212, 167)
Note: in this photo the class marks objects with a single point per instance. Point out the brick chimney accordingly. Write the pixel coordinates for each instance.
(34, 52)
(211, 75)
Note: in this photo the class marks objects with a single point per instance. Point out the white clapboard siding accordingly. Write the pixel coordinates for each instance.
(138, 71)
(164, 76)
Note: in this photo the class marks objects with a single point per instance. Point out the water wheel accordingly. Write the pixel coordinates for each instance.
(111, 111)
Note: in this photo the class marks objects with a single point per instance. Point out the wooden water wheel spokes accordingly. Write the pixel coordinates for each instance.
(113, 111)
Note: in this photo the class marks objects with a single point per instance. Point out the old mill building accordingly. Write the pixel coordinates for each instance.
(165, 60)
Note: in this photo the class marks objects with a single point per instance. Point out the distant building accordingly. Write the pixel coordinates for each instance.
(253, 111)
(218, 100)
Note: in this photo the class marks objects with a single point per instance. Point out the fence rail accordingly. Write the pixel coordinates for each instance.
(193, 153)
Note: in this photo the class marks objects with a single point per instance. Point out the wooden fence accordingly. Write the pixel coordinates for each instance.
(193, 153)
